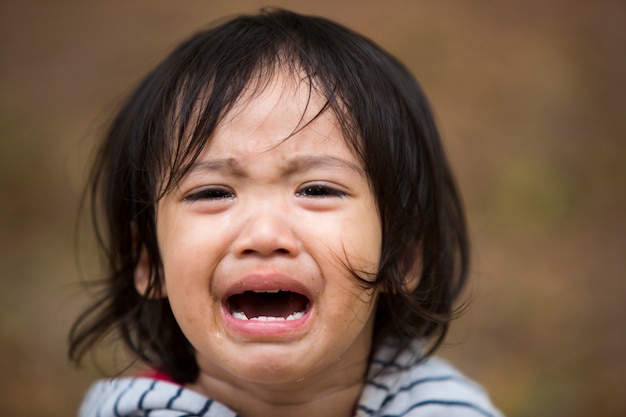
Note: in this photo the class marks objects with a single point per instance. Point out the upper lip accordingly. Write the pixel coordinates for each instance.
(267, 283)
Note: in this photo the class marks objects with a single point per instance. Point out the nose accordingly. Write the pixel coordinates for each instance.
(266, 232)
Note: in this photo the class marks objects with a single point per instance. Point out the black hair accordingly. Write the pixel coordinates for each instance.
(169, 118)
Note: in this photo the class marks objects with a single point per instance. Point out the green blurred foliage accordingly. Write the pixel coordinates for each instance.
(529, 97)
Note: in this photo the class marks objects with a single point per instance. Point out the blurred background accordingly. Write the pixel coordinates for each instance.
(529, 96)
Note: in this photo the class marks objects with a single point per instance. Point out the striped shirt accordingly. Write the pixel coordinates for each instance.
(432, 388)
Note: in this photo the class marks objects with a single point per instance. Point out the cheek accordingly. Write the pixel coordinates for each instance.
(351, 312)
(188, 254)
(362, 239)
(191, 238)
(358, 238)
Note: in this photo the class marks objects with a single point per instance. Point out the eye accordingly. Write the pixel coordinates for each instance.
(210, 193)
(319, 191)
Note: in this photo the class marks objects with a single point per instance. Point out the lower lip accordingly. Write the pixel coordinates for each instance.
(256, 329)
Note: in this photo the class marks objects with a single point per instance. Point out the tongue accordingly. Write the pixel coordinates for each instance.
(279, 304)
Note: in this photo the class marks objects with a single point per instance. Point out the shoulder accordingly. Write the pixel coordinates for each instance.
(126, 396)
(432, 388)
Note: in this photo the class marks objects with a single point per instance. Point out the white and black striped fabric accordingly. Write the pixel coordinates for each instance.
(432, 388)
(429, 389)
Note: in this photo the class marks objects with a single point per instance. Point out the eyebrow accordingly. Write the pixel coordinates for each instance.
(220, 165)
(292, 165)
(305, 163)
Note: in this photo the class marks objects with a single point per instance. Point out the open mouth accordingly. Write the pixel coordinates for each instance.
(268, 305)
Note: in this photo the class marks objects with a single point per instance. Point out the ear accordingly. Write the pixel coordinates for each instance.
(412, 263)
(411, 277)
(142, 277)
(413, 274)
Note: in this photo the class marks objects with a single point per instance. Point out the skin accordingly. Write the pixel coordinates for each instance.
(257, 210)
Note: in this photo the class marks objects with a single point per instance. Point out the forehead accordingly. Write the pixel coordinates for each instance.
(276, 107)
(286, 110)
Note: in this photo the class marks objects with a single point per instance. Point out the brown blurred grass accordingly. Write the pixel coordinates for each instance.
(529, 97)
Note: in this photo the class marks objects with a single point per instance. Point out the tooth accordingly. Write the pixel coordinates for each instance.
(268, 318)
(240, 315)
(295, 316)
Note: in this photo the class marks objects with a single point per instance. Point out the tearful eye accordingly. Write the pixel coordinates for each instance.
(319, 191)
(210, 194)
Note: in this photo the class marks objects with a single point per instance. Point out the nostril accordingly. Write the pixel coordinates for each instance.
(281, 251)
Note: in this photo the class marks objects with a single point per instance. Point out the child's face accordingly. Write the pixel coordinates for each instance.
(256, 242)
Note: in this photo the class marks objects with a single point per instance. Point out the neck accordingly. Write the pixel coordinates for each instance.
(332, 396)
